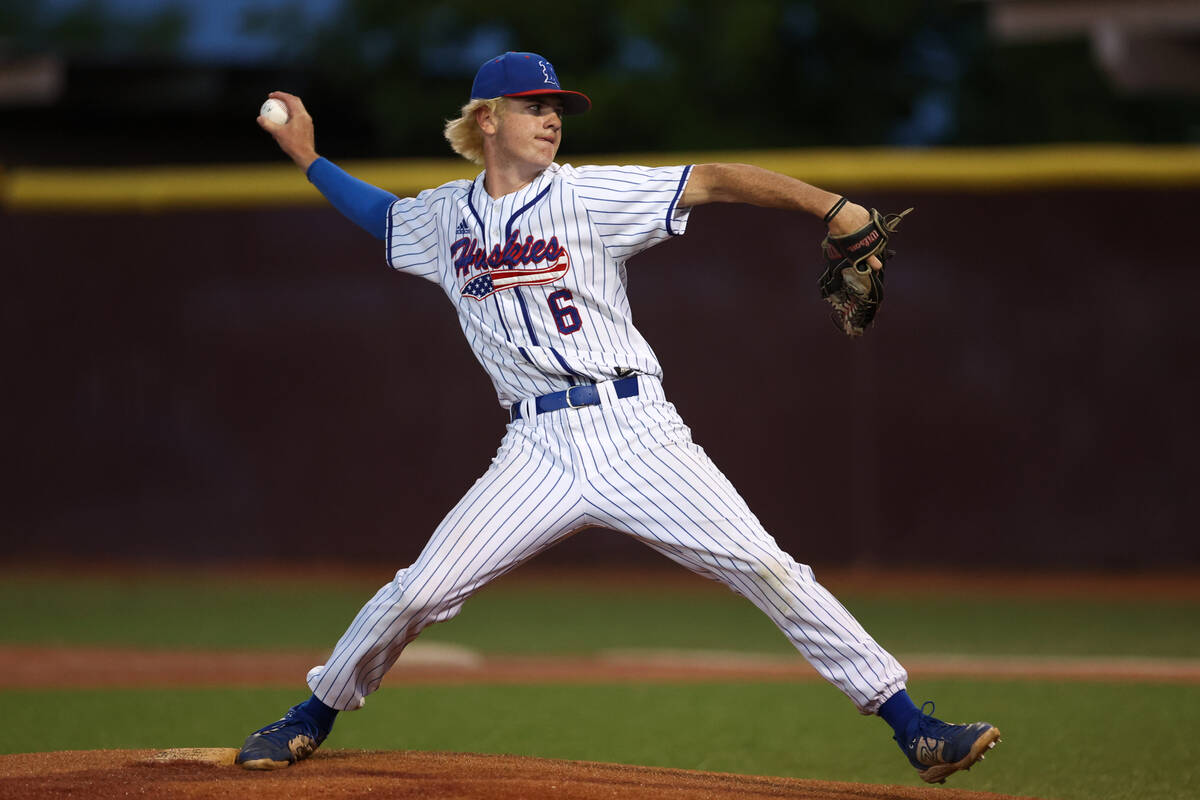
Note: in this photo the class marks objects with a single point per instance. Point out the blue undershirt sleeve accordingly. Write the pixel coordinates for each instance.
(363, 204)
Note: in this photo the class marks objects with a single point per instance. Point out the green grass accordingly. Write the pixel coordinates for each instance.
(1071, 741)
(532, 619)
(174, 612)
(180, 612)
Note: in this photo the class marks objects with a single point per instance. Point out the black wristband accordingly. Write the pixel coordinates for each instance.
(833, 212)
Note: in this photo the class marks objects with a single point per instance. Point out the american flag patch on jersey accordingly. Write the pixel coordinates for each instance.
(497, 280)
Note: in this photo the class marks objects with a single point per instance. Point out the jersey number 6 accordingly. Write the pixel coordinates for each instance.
(566, 317)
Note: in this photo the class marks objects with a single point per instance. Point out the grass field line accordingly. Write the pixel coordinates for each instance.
(939, 664)
(39, 666)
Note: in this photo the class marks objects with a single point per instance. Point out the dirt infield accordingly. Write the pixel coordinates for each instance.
(431, 776)
(30, 667)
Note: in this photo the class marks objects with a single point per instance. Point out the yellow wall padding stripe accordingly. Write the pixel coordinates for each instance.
(274, 185)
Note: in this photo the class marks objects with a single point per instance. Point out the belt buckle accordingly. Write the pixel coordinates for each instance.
(567, 395)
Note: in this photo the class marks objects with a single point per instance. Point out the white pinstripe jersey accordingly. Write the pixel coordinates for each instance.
(538, 276)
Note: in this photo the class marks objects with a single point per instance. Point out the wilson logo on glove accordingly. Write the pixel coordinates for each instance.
(848, 284)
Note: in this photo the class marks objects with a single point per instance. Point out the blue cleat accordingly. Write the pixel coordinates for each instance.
(938, 749)
(282, 743)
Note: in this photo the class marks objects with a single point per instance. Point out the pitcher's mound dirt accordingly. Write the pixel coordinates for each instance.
(209, 773)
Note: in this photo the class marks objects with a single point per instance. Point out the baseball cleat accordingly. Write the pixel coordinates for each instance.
(282, 743)
(938, 749)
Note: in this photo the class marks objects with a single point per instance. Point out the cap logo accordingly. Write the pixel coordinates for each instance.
(548, 72)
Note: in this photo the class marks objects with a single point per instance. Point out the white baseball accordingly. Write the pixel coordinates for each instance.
(274, 110)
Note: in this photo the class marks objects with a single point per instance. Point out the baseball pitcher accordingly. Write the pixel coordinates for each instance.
(532, 256)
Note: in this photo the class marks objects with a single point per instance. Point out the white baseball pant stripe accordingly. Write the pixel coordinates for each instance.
(629, 465)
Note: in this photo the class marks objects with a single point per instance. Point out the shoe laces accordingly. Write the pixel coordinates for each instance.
(290, 719)
(929, 726)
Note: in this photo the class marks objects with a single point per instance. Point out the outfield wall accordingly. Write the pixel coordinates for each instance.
(211, 364)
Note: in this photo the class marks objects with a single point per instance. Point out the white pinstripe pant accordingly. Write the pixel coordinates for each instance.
(629, 465)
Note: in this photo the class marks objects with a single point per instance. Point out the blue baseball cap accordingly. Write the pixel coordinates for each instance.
(521, 74)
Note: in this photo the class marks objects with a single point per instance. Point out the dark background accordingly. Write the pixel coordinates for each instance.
(241, 385)
(226, 384)
(134, 81)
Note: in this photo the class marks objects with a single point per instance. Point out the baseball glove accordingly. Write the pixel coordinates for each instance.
(849, 285)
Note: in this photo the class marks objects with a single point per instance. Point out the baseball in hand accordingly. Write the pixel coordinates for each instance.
(274, 110)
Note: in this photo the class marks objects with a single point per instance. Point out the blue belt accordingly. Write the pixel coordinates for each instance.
(576, 397)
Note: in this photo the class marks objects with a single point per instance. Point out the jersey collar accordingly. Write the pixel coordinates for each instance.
(480, 196)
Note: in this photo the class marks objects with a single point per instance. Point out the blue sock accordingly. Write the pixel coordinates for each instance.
(899, 712)
(322, 714)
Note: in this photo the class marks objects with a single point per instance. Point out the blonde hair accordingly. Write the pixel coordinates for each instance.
(464, 135)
